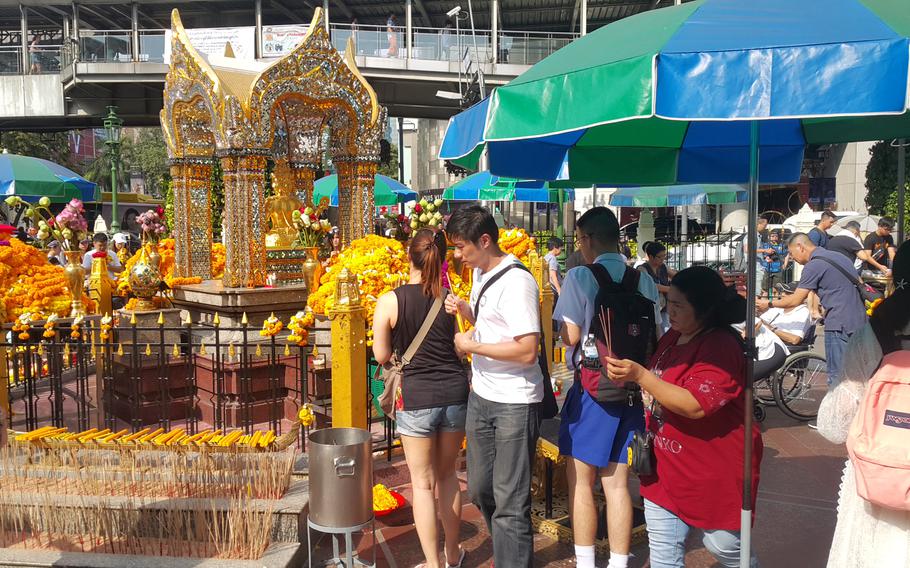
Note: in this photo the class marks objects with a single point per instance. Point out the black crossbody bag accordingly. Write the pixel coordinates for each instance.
(547, 408)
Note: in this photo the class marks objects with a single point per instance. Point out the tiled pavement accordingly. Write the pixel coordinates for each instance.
(794, 522)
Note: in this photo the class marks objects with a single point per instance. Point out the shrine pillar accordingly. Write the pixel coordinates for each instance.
(245, 218)
(356, 204)
(304, 178)
(190, 185)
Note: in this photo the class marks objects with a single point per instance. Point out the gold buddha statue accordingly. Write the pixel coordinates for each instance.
(280, 208)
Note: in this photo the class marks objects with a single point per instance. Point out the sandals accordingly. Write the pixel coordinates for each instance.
(460, 559)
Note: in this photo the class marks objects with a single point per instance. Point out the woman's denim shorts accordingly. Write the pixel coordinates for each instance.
(425, 422)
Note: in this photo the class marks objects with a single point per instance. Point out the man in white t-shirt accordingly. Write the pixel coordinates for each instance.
(507, 383)
(114, 267)
(593, 435)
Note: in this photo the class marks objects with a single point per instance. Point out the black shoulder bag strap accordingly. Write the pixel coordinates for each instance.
(548, 407)
(857, 282)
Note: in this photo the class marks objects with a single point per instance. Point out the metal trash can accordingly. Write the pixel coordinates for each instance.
(341, 477)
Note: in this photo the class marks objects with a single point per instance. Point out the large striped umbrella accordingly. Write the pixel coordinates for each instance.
(483, 186)
(386, 191)
(665, 96)
(32, 178)
(712, 91)
(679, 195)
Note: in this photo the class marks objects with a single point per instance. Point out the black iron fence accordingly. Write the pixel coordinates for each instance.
(193, 376)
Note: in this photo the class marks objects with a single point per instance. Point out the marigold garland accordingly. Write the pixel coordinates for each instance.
(381, 264)
(517, 242)
(28, 283)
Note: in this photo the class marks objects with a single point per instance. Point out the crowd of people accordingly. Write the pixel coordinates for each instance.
(657, 355)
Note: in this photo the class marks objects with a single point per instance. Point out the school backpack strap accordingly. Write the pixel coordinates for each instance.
(602, 275)
(630, 280)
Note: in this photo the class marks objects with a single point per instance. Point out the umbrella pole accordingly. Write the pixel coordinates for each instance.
(752, 246)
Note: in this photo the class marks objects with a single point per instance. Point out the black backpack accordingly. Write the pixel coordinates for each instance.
(632, 330)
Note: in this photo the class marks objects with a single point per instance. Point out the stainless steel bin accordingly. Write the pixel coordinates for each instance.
(341, 477)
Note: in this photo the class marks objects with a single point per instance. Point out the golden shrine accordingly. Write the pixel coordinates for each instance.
(246, 112)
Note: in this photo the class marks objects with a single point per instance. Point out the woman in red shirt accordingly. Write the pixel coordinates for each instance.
(696, 391)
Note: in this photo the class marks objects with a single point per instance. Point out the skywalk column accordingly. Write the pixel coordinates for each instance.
(584, 17)
(135, 31)
(258, 40)
(23, 16)
(494, 21)
(409, 27)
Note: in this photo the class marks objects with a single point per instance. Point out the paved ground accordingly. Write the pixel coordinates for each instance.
(795, 513)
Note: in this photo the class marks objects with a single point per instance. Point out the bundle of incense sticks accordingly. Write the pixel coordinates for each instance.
(606, 326)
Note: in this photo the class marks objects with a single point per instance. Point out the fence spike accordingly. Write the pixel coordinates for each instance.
(258, 350)
(202, 350)
(176, 352)
(160, 318)
(120, 349)
(287, 349)
(244, 320)
(148, 349)
(133, 319)
(231, 350)
(217, 319)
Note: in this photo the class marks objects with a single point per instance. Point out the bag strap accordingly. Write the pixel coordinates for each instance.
(630, 280)
(424, 329)
(492, 280)
(852, 278)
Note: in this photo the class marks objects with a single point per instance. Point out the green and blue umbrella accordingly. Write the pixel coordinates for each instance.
(386, 191)
(32, 178)
(711, 91)
(665, 97)
(679, 195)
(483, 186)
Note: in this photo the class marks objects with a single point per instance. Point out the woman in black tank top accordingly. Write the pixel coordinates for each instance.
(434, 389)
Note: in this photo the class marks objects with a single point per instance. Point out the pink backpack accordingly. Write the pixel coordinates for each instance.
(879, 438)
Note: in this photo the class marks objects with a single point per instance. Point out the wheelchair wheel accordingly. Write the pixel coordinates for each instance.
(763, 391)
(759, 412)
(800, 385)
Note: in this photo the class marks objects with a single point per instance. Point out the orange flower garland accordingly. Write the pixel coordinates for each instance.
(380, 264)
(28, 283)
(517, 242)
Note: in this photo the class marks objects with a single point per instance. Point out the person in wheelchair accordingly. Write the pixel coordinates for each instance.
(777, 331)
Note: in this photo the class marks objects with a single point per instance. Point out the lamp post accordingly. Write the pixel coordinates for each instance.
(114, 127)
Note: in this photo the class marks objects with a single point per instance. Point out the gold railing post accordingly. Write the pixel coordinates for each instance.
(349, 356)
(100, 286)
(541, 273)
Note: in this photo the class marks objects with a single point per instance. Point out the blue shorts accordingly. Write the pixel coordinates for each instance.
(425, 422)
(597, 433)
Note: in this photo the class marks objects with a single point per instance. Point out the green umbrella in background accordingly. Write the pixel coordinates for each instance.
(33, 178)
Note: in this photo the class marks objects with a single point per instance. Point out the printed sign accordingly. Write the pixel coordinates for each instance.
(212, 41)
(278, 41)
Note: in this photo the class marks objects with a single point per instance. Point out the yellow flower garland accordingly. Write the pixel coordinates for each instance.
(380, 264)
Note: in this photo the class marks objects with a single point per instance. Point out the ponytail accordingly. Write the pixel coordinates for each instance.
(425, 253)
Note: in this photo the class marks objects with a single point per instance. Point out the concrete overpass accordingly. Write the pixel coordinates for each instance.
(126, 68)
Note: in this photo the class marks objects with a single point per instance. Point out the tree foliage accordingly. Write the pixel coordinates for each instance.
(148, 154)
(390, 168)
(881, 181)
(52, 146)
(216, 193)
